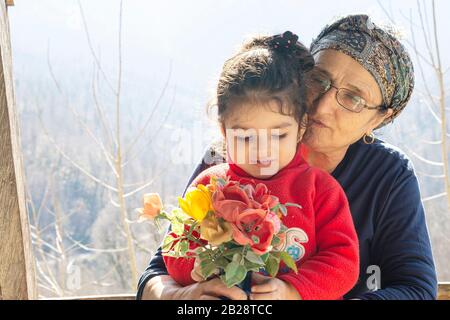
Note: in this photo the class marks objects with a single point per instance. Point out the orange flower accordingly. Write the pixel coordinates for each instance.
(152, 207)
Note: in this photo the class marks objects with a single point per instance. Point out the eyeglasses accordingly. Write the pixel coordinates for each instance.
(345, 97)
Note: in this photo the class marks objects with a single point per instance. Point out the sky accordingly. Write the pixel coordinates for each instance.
(191, 38)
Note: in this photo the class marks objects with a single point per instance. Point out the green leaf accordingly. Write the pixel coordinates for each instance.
(222, 262)
(175, 214)
(199, 250)
(170, 254)
(177, 227)
(264, 257)
(254, 258)
(237, 257)
(290, 204)
(167, 242)
(287, 259)
(204, 255)
(222, 182)
(250, 266)
(176, 248)
(232, 252)
(184, 247)
(283, 210)
(275, 208)
(207, 268)
(275, 241)
(272, 265)
(234, 274)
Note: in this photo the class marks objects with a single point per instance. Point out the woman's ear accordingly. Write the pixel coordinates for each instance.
(388, 114)
(380, 119)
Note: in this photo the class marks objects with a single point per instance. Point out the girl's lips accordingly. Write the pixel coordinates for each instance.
(264, 163)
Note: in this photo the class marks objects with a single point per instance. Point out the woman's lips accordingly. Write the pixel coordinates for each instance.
(319, 124)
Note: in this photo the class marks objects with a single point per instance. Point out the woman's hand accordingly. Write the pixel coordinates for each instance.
(165, 288)
(268, 288)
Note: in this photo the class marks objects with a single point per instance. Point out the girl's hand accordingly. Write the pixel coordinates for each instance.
(210, 290)
(268, 288)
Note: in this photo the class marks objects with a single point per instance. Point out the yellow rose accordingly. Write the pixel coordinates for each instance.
(214, 231)
(197, 202)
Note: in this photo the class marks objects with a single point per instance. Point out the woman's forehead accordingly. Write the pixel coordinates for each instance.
(346, 71)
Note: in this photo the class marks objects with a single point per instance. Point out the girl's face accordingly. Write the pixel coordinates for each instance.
(261, 140)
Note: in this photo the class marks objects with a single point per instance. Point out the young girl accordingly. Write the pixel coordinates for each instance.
(262, 109)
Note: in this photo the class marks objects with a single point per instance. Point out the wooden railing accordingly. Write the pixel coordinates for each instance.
(443, 294)
(16, 259)
(444, 291)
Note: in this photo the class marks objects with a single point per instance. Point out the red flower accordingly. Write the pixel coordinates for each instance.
(230, 200)
(247, 208)
(253, 228)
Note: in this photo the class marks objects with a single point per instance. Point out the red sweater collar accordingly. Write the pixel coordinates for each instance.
(297, 161)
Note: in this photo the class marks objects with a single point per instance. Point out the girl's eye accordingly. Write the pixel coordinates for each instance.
(279, 137)
(248, 139)
(245, 139)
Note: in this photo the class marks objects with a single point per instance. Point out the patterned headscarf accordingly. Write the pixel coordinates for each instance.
(378, 51)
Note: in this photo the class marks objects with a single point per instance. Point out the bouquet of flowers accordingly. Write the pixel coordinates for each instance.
(236, 229)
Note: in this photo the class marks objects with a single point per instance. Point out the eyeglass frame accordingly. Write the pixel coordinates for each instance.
(365, 105)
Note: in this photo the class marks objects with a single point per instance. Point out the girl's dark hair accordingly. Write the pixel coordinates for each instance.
(266, 68)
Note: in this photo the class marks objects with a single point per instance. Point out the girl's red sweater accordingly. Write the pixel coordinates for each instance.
(321, 235)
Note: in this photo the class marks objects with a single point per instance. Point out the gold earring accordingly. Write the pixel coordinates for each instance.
(368, 139)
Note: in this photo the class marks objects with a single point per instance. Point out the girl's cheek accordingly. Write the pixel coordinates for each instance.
(288, 151)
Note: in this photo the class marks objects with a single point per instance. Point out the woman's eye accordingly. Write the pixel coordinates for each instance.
(349, 96)
(356, 100)
(321, 84)
(325, 85)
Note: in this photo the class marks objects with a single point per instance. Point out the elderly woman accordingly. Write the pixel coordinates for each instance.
(364, 78)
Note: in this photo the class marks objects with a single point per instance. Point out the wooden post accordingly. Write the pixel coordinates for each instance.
(17, 280)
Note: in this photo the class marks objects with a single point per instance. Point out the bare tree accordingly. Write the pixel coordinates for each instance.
(117, 154)
(431, 154)
(429, 61)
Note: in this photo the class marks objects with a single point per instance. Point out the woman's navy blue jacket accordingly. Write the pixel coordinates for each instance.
(395, 251)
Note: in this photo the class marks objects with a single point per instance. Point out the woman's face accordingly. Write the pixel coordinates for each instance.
(261, 140)
(331, 126)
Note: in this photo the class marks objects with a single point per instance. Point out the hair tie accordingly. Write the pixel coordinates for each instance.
(285, 41)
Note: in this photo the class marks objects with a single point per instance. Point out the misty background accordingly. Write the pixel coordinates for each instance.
(69, 58)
